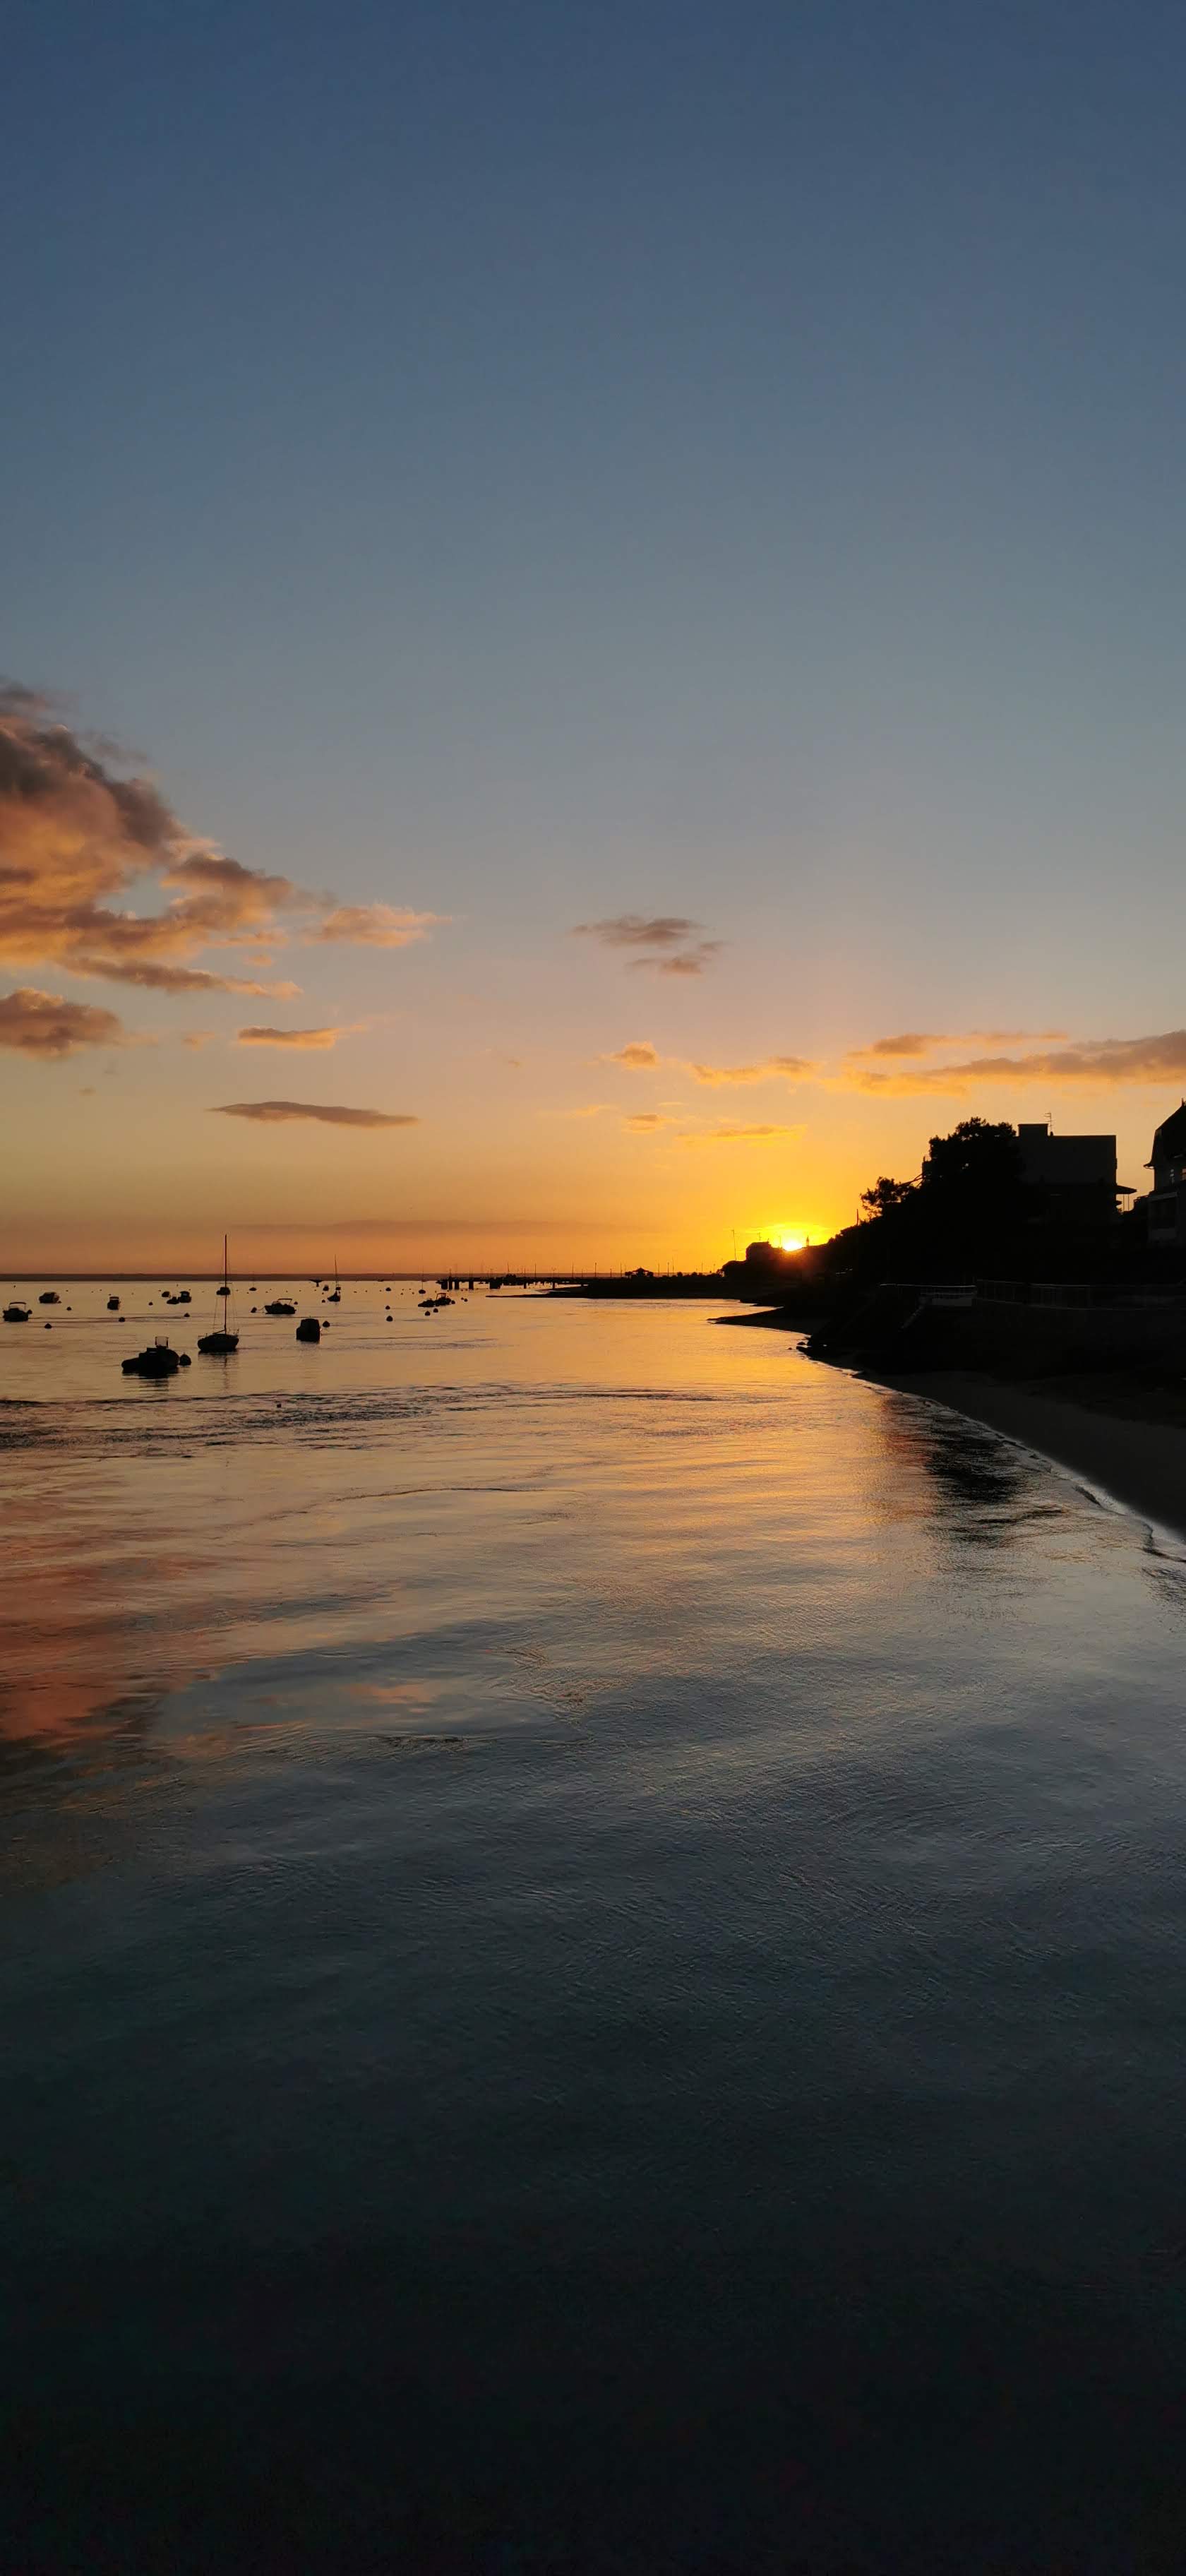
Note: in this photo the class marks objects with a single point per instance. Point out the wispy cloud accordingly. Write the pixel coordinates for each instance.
(641, 1057)
(273, 1113)
(76, 835)
(916, 1042)
(1098, 1061)
(318, 1038)
(724, 1133)
(42, 1024)
(640, 930)
(686, 961)
(773, 1068)
(680, 945)
(644, 1123)
(376, 925)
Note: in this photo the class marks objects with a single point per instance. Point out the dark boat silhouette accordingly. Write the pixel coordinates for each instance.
(308, 1329)
(49, 1297)
(281, 1306)
(334, 1296)
(113, 1305)
(17, 1313)
(219, 1344)
(157, 1361)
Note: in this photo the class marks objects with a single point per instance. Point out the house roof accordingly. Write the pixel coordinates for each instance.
(1170, 1138)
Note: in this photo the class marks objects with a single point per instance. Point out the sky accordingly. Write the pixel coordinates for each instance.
(597, 584)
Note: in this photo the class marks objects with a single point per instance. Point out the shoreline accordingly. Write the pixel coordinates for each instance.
(1119, 1431)
(1120, 1442)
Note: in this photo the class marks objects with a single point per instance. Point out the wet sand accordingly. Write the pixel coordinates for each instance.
(1115, 1430)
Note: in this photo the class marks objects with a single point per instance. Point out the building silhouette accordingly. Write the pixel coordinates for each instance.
(1166, 1204)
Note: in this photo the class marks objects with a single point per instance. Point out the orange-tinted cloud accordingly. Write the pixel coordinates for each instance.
(726, 1134)
(911, 1042)
(376, 925)
(774, 1068)
(290, 1037)
(644, 1123)
(1157, 1059)
(272, 1113)
(915, 1042)
(34, 1023)
(76, 836)
(686, 961)
(639, 1057)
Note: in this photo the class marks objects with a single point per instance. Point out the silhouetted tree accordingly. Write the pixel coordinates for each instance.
(886, 1195)
(979, 1161)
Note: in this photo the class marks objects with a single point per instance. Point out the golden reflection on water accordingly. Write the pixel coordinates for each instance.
(545, 1505)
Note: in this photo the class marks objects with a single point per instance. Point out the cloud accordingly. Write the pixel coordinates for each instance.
(644, 1123)
(915, 1042)
(681, 945)
(639, 1057)
(290, 1037)
(726, 1134)
(640, 930)
(42, 1024)
(688, 961)
(76, 835)
(273, 1113)
(1098, 1061)
(774, 1068)
(376, 925)
(911, 1042)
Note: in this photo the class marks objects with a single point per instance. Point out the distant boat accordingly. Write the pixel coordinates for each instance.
(308, 1329)
(157, 1361)
(49, 1297)
(113, 1305)
(281, 1306)
(16, 1313)
(219, 1344)
(334, 1297)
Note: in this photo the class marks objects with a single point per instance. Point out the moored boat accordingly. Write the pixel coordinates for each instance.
(113, 1305)
(49, 1297)
(308, 1329)
(157, 1361)
(280, 1306)
(219, 1344)
(17, 1313)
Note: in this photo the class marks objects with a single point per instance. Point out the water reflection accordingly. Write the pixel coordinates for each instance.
(988, 1492)
(625, 1907)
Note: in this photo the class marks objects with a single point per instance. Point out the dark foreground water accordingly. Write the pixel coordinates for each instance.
(594, 1965)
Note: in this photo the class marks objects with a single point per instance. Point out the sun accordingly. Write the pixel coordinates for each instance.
(791, 1239)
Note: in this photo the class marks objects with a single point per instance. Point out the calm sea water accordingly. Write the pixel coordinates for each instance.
(594, 1967)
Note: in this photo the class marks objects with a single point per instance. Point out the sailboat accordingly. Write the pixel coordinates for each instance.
(219, 1344)
(335, 1295)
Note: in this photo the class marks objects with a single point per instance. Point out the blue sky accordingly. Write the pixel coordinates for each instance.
(534, 463)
